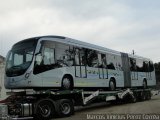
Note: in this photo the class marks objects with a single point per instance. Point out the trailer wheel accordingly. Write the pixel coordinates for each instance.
(112, 84)
(143, 96)
(44, 110)
(148, 96)
(64, 107)
(67, 83)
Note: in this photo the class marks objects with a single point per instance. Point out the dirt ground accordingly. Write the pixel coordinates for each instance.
(131, 111)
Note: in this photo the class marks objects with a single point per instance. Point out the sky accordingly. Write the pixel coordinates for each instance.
(122, 25)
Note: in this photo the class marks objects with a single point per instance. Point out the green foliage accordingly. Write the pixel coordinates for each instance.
(157, 66)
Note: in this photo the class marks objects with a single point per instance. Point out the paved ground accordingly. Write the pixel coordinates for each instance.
(101, 111)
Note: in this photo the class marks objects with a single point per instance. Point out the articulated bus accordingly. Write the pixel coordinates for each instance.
(64, 63)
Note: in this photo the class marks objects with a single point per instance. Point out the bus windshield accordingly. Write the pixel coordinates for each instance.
(20, 57)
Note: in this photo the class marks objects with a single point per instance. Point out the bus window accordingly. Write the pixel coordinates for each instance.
(151, 67)
(83, 57)
(80, 57)
(77, 61)
(139, 64)
(102, 61)
(29, 56)
(110, 61)
(18, 59)
(45, 60)
(92, 58)
(64, 54)
(48, 57)
(133, 64)
(145, 66)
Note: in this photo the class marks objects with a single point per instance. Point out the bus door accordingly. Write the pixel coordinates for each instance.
(103, 72)
(80, 63)
(126, 70)
(147, 71)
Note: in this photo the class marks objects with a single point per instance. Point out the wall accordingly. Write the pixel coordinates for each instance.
(2, 89)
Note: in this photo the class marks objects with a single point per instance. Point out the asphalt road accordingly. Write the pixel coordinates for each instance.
(130, 111)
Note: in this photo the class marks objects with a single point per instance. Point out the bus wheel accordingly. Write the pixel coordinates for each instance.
(44, 110)
(112, 85)
(144, 84)
(67, 83)
(64, 107)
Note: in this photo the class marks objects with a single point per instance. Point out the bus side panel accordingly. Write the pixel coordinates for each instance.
(152, 80)
(126, 69)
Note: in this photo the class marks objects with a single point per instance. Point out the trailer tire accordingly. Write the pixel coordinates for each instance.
(148, 96)
(143, 96)
(44, 109)
(64, 107)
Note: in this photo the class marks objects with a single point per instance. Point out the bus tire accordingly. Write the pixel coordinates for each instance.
(64, 107)
(67, 83)
(144, 84)
(112, 85)
(44, 109)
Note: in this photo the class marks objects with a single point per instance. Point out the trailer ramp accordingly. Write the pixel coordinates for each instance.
(90, 97)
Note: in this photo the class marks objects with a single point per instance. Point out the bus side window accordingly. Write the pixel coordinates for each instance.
(80, 56)
(145, 66)
(77, 62)
(92, 58)
(102, 60)
(139, 65)
(132, 64)
(48, 57)
(110, 63)
(151, 67)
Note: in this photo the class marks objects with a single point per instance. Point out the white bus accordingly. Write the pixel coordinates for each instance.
(65, 63)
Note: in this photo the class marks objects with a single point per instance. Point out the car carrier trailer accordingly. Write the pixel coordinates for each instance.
(46, 104)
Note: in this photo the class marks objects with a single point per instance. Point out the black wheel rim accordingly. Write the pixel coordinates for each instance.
(44, 110)
(65, 108)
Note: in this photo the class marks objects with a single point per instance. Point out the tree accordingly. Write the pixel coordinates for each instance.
(157, 71)
(157, 66)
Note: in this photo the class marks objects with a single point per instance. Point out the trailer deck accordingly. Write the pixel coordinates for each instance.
(45, 104)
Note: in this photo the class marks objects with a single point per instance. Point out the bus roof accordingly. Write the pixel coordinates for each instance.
(79, 43)
(71, 41)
